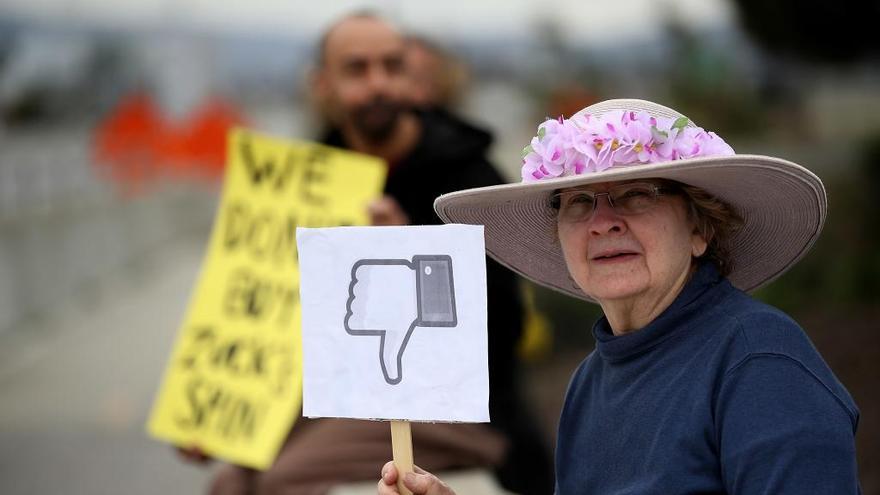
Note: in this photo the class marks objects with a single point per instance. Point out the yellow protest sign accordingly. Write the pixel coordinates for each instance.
(233, 384)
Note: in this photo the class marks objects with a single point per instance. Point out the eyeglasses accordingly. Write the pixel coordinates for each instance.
(626, 199)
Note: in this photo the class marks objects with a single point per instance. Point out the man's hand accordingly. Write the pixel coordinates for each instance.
(387, 211)
(420, 482)
(193, 454)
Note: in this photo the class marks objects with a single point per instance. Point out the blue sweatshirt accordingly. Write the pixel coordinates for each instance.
(719, 394)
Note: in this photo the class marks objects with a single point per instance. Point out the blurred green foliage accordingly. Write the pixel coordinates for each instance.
(843, 268)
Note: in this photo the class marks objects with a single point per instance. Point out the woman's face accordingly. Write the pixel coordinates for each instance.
(623, 254)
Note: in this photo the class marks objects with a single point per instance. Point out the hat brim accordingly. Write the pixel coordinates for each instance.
(783, 206)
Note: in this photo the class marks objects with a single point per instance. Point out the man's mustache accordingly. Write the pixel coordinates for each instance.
(379, 104)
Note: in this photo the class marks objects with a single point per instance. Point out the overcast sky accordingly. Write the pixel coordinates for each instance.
(593, 21)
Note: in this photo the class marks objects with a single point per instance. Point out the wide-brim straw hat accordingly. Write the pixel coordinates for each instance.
(783, 206)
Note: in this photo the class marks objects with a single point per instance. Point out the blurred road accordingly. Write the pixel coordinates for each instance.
(76, 389)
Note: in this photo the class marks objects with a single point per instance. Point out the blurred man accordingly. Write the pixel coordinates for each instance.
(361, 85)
(366, 85)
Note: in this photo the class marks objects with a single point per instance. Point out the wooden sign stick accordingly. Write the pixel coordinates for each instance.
(401, 448)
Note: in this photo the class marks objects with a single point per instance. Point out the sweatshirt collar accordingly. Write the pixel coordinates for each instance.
(619, 347)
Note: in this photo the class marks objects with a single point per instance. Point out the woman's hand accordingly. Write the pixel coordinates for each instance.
(420, 482)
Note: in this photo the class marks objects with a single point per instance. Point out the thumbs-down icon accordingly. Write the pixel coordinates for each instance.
(389, 298)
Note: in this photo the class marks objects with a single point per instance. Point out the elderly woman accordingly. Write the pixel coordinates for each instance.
(694, 387)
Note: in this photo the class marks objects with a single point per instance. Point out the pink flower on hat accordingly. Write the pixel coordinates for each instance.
(593, 143)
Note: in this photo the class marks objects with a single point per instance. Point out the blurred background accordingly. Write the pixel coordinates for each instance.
(112, 125)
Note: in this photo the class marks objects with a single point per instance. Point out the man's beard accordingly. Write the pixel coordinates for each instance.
(376, 120)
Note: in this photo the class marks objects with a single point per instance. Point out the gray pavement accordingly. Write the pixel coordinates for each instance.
(76, 388)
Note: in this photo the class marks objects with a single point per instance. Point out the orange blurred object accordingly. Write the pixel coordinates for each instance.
(136, 145)
(569, 99)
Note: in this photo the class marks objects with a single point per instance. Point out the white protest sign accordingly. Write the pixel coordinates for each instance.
(394, 323)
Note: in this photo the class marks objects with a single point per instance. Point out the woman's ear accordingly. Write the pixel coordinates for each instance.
(699, 244)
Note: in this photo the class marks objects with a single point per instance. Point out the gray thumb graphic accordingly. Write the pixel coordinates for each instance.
(389, 298)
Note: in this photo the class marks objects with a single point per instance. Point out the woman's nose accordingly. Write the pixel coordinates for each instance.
(604, 219)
